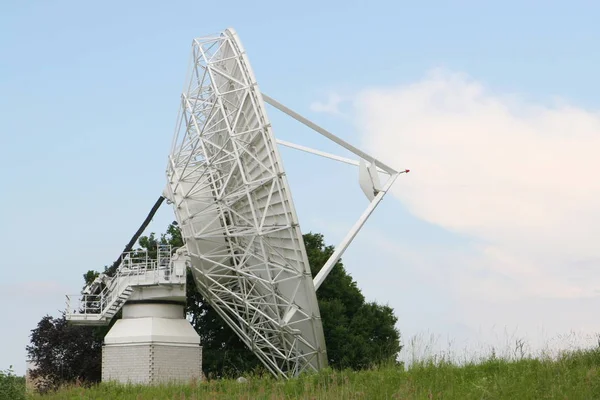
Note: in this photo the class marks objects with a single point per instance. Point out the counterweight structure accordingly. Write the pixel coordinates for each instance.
(243, 243)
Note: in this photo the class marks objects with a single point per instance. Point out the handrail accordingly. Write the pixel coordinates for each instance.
(135, 269)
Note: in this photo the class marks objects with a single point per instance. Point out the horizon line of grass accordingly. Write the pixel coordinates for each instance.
(573, 375)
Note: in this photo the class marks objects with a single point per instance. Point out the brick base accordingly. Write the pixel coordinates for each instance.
(151, 363)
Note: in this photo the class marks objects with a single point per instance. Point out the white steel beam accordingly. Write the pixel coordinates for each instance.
(326, 133)
(323, 154)
(341, 248)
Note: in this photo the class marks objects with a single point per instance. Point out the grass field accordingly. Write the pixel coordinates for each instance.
(574, 375)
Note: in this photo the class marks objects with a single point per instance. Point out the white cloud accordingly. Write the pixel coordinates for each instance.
(519, 181)
(330, 106)
(519, 178)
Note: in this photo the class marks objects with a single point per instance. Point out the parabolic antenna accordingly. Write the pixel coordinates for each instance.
(232, 202)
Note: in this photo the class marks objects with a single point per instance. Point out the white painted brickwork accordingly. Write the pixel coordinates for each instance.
(126, 364)
(176, 363)
(151, 363)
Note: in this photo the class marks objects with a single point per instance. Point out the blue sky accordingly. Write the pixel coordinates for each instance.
(88, 101)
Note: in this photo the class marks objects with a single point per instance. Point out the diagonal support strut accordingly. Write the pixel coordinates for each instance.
(380, 166)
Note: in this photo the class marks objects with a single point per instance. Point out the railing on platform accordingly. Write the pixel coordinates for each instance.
(136, 269)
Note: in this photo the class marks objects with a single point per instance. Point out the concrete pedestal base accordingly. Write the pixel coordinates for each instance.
(153, 343)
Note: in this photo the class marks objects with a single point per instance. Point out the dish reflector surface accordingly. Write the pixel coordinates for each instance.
(234, 207)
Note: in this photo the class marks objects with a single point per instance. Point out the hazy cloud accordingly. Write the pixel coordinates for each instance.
(519, 178)
(330, 106)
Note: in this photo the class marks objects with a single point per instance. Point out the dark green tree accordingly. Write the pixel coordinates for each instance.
(357, 334)
(65, 353)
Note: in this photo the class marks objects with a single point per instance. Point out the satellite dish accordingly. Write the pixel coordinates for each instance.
(232, 202)
(234, 207)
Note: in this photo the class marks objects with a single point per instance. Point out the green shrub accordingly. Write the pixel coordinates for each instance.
(12, 387)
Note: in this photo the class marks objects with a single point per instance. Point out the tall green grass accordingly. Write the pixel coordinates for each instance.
(573, 375)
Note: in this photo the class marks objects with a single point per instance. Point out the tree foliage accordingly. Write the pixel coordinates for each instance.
(11, 386)
(357, 334)
(65, 353)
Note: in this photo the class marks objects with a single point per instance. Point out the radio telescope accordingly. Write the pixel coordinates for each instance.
(229, 191)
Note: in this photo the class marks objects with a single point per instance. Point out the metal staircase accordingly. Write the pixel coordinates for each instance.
(100, 301)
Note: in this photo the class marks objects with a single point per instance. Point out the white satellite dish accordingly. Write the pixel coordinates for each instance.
(232, 201)
(242, 238)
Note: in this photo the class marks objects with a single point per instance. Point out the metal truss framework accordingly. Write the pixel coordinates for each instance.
(233, 205)
(232, 201)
